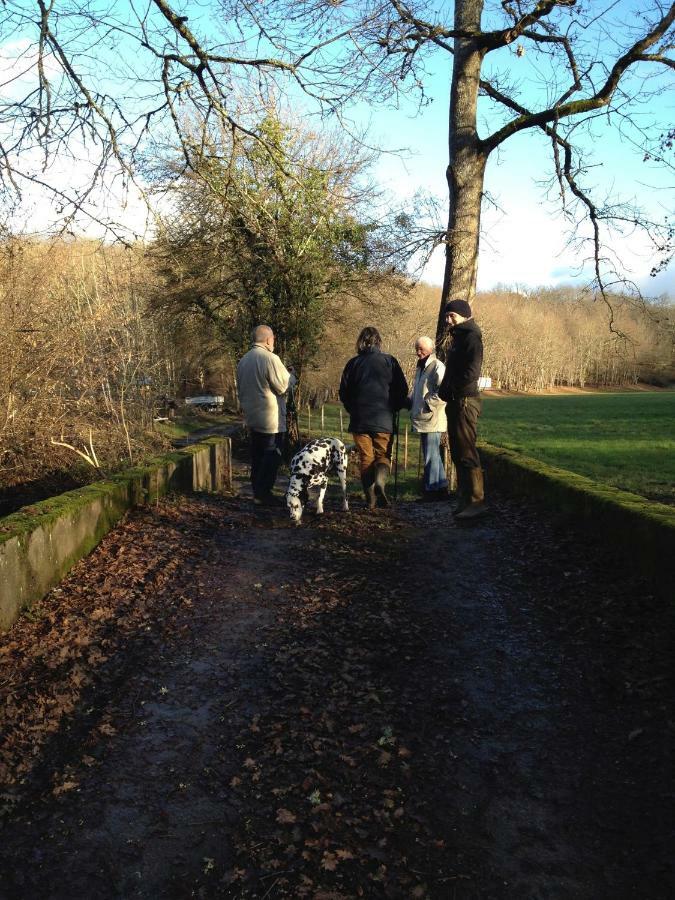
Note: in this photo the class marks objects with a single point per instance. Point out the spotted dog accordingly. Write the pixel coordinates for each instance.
(310, 468)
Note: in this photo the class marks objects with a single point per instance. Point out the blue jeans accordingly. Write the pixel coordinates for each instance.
(434, 470)
(265, 459)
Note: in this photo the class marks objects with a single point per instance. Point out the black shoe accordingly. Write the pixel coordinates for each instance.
(269, 500)
(440, 495)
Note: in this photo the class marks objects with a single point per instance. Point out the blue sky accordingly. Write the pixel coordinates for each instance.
(525, 241)
(524, 237)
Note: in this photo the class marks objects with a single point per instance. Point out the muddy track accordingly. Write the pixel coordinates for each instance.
(215, 703)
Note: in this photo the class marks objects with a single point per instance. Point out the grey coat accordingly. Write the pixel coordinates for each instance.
(427, 410)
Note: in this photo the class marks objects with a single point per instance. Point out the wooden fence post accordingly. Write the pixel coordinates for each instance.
(405, 450)
(322, 422)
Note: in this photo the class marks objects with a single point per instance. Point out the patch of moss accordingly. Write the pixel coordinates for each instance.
(27, 519)
(643, 528)
(602, 493)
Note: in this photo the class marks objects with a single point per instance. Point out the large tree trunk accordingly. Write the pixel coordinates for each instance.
(466, 167)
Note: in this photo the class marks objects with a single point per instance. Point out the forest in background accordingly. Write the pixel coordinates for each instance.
(90, 351)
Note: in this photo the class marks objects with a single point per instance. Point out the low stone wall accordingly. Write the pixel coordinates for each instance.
(40, 543)
(640, 528)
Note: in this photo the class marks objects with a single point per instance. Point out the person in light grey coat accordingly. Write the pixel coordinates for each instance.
(261, 379)
(427, 413)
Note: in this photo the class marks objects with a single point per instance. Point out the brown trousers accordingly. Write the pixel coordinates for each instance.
(462, 426)
(373, 449)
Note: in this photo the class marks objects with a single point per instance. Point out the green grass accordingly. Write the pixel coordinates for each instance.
(623, 439)
(181, 426)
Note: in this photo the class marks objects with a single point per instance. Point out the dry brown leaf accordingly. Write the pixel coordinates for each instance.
(285, 817)
(100, 614)
(66, 786)
(329, 861)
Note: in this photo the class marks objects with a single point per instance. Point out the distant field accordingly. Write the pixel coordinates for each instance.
(626, 440)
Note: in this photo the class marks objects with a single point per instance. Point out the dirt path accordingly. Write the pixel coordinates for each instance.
(215, 703)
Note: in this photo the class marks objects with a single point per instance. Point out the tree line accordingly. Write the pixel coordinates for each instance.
(90, 351)
(562, 70)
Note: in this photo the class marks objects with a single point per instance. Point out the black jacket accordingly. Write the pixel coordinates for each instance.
(372, 388)
(463, 362)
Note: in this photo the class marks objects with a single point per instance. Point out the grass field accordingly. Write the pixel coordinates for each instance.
(626, 440)
(623, 439)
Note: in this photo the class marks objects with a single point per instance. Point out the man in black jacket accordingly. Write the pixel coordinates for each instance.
(372, 389)
(459, 389)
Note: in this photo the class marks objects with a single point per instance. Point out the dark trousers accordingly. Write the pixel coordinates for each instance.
(462, 425)
(265, 459)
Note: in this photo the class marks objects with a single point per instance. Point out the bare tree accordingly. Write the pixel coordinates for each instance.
(562, 68)
(87, 90)
(107, 82)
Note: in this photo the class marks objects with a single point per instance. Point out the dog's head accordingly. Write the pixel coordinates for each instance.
(296, 503)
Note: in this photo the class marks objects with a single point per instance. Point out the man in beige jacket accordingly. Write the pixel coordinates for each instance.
(261, 379)
(427, 413)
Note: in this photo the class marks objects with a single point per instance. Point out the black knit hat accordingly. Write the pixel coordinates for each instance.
(459, 306)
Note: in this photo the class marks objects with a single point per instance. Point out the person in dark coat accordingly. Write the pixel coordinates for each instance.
(372, 389)
(459, 388)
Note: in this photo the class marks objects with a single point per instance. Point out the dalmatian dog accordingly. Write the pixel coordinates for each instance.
(310, 468)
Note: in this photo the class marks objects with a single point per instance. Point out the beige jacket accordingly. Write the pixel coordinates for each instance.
(427, 410)
(261, 378)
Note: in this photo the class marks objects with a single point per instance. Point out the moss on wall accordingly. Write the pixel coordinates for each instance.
(631, 523)
(39, 544)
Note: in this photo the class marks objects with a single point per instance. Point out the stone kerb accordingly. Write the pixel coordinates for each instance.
(631, 524)
(39, 544)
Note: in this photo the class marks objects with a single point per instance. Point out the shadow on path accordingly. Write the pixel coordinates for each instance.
(215, 703)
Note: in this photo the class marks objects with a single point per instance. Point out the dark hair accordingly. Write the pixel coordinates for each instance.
(369, 337)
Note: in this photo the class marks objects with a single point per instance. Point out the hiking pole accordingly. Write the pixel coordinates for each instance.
(295, 422)
(396, 457)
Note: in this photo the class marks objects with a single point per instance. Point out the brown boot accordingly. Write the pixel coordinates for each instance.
(463, 490)
(369, 489)
(476, 506)
(381, 473)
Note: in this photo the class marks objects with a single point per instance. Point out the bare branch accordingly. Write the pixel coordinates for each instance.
(600, 98)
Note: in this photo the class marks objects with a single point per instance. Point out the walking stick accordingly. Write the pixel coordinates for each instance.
(396, 457)
(292, 409)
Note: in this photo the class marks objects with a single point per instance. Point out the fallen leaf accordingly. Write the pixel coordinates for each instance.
(329, 861)
(66, 786)
(285, 817)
